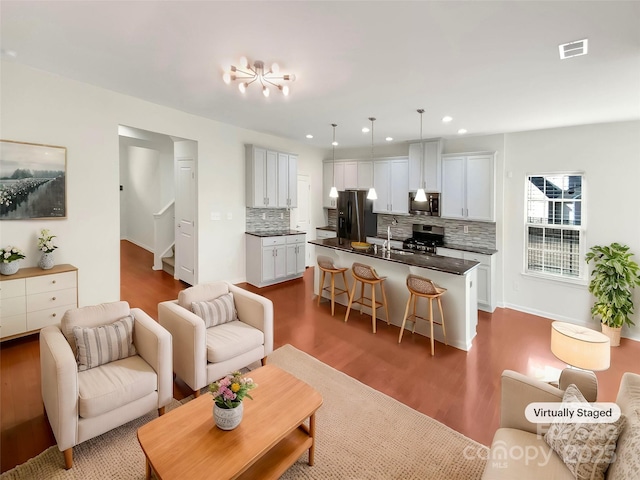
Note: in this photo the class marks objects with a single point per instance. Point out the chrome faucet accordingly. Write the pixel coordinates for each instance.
(389, 237)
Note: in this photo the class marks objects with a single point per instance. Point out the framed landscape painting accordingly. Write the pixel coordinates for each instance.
(32, 181)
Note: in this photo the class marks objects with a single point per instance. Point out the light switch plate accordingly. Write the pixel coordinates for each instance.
(215, 215)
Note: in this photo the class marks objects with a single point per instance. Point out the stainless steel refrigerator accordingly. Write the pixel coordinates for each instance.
(356, 219)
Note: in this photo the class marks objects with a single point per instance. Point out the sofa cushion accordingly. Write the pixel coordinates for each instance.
(106, 343)
(113, 385)
(231, 339)
(200, 293)
(586, 448)
(520, 455)
(216, 312)
(627, 461)
(92, 316)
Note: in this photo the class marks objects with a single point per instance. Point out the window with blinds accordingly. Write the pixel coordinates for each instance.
(554, 226)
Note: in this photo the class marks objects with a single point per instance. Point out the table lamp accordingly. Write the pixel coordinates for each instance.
(580, 347)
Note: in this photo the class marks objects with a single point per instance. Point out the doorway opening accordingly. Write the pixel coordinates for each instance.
(158, 208)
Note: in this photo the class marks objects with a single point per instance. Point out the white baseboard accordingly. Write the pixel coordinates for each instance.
(561, 318)
(141, 245)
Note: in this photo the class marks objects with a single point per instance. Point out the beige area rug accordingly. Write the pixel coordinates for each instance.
(361, 434)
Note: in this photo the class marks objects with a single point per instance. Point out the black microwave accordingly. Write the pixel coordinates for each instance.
(429, 207)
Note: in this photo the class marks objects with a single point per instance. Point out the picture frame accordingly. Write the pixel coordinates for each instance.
(32, 181)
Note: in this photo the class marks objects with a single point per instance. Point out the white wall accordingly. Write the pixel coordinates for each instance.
(43, 108)
(609, 156)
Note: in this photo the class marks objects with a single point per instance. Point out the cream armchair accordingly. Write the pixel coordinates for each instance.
(84, 404)
(202, 355)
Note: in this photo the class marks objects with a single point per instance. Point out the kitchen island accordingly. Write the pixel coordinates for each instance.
(458, 276)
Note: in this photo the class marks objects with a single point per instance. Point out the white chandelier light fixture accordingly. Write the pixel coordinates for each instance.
(421, 196)
(333, 193)
(372, 195)
(248, 74)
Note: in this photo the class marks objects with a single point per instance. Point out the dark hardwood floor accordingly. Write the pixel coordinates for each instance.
(459, 389)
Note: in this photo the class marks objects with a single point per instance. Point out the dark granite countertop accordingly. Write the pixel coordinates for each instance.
(275, 233)
(452, 246)
(454, 266)
(327, 227)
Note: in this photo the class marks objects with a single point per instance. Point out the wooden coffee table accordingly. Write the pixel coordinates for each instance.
(185, 442)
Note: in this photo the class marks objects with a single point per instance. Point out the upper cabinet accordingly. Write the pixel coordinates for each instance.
(468, 190)
(345, 175)
(271, 178)
(287, 180)
(391, 181)
(327, 181)
(430, 159)
(365, 175)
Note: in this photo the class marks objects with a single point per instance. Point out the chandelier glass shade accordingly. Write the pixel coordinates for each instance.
(333, 193)
(247, 74)
(421, 196)
(371, 194)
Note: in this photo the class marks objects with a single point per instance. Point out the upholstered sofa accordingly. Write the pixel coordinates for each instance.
(83, 401)
(204, 354)
(519, 452)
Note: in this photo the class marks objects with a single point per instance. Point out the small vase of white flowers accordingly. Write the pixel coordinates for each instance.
(10, 260)
(46, 246)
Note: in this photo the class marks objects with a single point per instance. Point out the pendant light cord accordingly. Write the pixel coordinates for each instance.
(422, 185)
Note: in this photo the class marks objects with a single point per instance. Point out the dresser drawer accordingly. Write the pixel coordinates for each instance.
(51, 283)
(43, 301)
(13, 306)
(44, 318)
(13, 325)
(12, 288)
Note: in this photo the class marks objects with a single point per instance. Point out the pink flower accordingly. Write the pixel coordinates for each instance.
(228, 394)
(225, 382)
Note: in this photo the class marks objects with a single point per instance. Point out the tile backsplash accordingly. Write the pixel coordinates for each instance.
(480, 234)
(271, 220)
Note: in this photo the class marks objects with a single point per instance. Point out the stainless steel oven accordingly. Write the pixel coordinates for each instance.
(430, 207)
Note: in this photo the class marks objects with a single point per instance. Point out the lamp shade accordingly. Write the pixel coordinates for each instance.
(580, 347)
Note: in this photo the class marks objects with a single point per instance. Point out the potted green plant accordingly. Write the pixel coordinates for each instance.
(613, 279)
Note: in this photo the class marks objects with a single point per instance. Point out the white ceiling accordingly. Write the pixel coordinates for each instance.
(493, 66)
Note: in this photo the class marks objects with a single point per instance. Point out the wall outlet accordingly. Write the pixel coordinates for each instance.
(264, 216)
(229, 216)
(215, 215)
(281, 216)
(466, 229)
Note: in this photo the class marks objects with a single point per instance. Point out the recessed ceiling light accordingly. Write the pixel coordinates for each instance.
(365, 130)
(389, 139)
(335, 144)
(574, 49)
(309, 135)
(447, 119)
(462, 131)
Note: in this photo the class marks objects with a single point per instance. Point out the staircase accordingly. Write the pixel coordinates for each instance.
(169, 264)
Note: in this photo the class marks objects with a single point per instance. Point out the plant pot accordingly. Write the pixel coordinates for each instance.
(46, 261)
(613, 333)
(227, 418)
(9, 268)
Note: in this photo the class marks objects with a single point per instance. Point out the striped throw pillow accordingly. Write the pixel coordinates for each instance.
(216, 312)
(104, 344)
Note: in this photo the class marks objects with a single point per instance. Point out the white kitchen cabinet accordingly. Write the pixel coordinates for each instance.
(267, 258)
(261, 177)
(296, 261)
(34, 298)
(322, 234)
(350, 175)
(485, 277)
(287, 180)
(327, 181)
(365, 175)
(429, 163)
(468, 186)
(271, 178)
(391, 181)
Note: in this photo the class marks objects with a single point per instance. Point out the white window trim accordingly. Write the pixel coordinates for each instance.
(582, 278)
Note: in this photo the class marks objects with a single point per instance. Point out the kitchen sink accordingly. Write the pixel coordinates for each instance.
(400, 252)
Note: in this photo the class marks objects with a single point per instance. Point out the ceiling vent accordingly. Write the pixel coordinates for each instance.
(573, 49)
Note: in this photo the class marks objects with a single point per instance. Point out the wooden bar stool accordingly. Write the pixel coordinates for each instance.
(425, 288)
(367, 275)
(325, 264)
